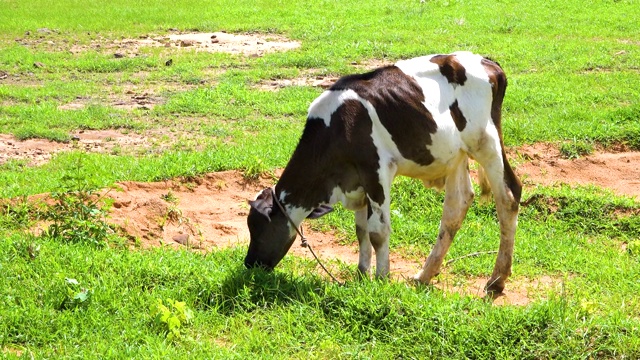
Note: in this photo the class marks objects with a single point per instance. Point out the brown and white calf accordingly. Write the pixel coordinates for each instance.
(423, 118)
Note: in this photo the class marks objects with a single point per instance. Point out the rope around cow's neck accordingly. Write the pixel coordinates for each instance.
(305, 243)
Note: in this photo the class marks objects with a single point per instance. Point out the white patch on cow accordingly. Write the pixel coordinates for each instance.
(352, 200)
(438, 93)
(328, 102)
(474, 102)
(296, 214)
(472, 64)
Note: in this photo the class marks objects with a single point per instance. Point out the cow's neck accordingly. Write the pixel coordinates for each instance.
(300, 194)
(305, 184)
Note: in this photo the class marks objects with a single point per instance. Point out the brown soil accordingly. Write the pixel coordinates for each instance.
(544, 165)
(205, 213)
(40, 151)
(129, 100)
(324, 82)
(239, 44)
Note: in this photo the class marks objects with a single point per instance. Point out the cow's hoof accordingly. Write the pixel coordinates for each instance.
(420, 279)
(362, 275)
(494, 287)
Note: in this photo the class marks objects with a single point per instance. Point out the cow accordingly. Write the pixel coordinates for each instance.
(424, 118)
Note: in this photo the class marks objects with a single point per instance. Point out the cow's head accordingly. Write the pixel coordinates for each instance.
(269, 228)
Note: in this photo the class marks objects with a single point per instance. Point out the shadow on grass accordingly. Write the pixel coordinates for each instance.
(247, 290)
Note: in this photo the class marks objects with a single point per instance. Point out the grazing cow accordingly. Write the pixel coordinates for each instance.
(423, 118)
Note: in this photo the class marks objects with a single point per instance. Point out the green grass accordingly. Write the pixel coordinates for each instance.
(574, 79)
(290, 313)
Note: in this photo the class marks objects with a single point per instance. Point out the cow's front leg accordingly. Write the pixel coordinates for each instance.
(362, 232)
(379, 231)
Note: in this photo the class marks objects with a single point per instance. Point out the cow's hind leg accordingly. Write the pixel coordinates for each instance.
(507, 190)
(365, 251)
(458, 198)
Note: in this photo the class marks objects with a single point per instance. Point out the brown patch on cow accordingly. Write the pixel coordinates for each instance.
(398, 100)
(342, 154)
(512, 181)
(458, 116)
(450, 68)
(498, 81)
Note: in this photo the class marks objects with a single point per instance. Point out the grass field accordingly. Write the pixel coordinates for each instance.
(82, 292)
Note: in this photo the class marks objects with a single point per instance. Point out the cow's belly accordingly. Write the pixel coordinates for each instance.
(437, 170)
(447, 149)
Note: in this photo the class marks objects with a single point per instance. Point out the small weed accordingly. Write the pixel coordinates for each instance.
(634, 248)
(172, 317)
(76, 215)
(254, 170)
(77, 218)
(174, 214)
(576, 148)
(27, 247)
(170, 197)
(220, 185)
(17, 214)
(117, 150)
(76, 296)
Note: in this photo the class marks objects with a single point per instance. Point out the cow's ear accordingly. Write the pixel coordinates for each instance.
(320, 211)
(263, 204)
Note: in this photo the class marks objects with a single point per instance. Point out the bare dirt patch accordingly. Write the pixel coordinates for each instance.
(206, 213)
(130, 100)
(545, 165)
(238, 44)
(324, 82)
(39, 151)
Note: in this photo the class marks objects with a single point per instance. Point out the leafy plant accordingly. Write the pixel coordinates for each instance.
(172, 317)
(76, 296)
(77, 218)
(76, 215)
